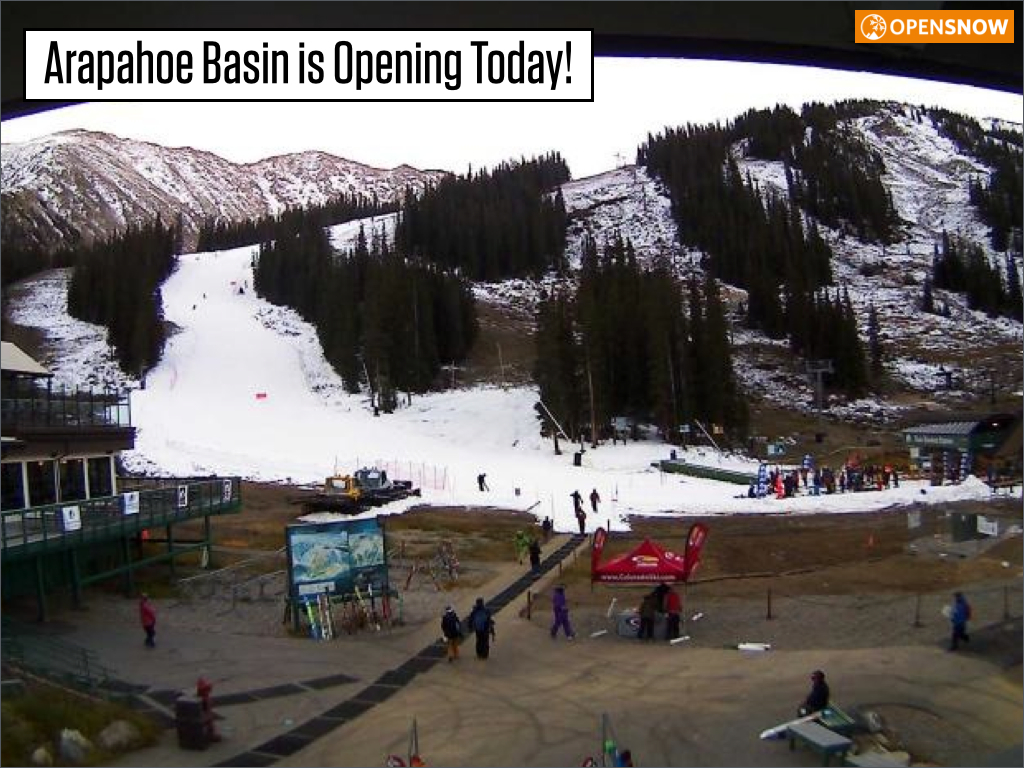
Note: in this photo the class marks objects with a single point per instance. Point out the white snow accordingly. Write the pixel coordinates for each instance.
(243, 388)
(200, 411)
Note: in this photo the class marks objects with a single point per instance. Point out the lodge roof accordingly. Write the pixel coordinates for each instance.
(14, 360)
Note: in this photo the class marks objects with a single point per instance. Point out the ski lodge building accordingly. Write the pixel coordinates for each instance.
(66, 522)
(987, 447)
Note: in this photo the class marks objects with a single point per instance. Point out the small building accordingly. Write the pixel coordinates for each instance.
(988, 447)
(64, 521)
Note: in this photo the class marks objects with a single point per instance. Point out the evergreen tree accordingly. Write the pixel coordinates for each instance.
(116, 283)
(492, 224)
(1014, 301)
(875, 346)
(927, 300)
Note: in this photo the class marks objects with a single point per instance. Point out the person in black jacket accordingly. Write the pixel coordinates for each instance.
(817, 699)
(451, 628)
(535, 555)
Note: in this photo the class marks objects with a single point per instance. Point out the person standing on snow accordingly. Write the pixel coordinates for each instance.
(595, 499)
(560, 608)
(577, 501)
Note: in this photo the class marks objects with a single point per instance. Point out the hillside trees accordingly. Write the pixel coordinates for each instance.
(379, 315)
(217, 234)
(998, 198)
(758, 241)
(627, 344)
(492, 224)
(833, 175)
(961, 266)
(116, 283)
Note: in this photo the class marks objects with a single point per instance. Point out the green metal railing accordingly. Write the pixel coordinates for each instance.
(54, 659)
(26, 532)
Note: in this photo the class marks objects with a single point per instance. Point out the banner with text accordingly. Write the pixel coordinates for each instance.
(309, 65)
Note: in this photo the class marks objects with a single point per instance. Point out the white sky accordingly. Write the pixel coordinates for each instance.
(632, 98)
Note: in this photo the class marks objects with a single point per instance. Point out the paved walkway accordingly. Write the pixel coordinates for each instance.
(539, 702)
(266, 713)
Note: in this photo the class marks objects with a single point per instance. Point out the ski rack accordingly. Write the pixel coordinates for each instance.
(328, 616)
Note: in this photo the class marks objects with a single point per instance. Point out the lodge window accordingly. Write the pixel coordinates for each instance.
(42, 485)
(99, 478)
(72, 479)
(12, 486)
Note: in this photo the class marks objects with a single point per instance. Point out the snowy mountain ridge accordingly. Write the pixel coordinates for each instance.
(926, 175)
(95, 184)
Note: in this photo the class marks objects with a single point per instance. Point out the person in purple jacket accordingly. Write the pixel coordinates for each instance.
(560, 607)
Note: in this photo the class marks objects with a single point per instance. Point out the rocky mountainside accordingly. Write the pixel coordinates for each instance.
(88, 184)
(931, 360)
(957, 358)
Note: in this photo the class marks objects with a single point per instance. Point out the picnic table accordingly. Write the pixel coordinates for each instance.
(836, 720)
(820, 739)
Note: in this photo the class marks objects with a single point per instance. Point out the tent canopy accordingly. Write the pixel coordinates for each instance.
(648, 562)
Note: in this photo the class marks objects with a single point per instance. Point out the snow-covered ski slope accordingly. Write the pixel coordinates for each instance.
(243, 388)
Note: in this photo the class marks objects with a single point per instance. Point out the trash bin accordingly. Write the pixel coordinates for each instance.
(190, 719)
(577, 459)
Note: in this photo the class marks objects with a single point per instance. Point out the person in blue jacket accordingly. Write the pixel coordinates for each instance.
(482, 623)
(958, 617)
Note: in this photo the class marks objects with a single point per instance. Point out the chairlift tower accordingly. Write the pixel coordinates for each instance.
(817, 369)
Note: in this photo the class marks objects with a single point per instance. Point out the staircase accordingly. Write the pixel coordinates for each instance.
(56, 660)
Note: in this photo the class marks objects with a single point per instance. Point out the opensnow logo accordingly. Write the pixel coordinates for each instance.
(873, 27)
(927, 26)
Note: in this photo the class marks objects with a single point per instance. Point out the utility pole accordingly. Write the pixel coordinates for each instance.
(593, 413)
(501, 364)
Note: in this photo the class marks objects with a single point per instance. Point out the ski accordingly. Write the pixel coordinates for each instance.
(313, 633)
(326, 632)
(779, 731)
(329, 609)
(362, 604)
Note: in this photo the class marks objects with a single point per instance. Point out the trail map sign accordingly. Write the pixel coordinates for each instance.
(226, 491)
(182, 496)
(335, 557)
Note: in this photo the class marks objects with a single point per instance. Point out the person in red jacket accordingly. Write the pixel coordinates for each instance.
(148, 616)
(674, 610)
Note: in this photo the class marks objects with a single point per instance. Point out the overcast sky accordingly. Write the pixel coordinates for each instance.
(632, 98)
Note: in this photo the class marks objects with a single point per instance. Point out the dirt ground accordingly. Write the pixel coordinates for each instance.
(869, 571)
(858, 594)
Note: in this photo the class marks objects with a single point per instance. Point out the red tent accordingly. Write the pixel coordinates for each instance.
(648, 562)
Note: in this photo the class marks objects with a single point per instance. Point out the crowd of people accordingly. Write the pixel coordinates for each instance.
(812, 480)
